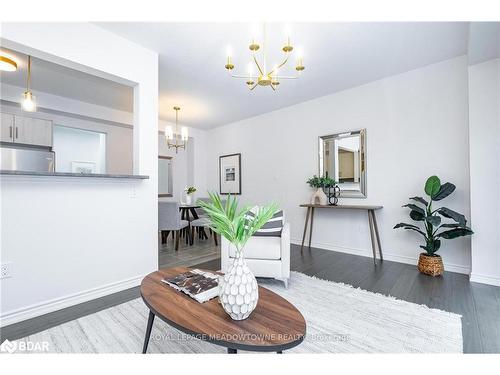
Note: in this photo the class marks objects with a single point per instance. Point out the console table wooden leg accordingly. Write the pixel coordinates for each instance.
(377, 236)
(305, 230)
(311, 227)
(148, 332)
(372, 236)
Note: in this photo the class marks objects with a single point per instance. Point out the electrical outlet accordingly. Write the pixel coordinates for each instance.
(6, 270)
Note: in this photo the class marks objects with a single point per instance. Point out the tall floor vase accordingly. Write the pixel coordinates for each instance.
(238, 290)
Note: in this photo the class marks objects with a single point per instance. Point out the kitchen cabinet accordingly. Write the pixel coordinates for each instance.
(26, 130)
(7, 127)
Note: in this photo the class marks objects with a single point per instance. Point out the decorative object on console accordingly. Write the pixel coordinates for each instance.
(170, 135)
(238, 291)
(429, 262)
(230, 174)
(333, 195)
(263, 77)
(189, 194)
(320, 183)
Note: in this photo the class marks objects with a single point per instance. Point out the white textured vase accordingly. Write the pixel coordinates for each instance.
(319, 197)
(188, 199)
(238, 290)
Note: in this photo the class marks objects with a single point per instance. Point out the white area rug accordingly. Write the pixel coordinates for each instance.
(340, 319)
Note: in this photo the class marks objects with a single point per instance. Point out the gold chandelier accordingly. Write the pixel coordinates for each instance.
(180, 139)
(264, 77)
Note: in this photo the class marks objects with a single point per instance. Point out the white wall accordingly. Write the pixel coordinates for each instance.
(72, 240)
(416, 126)
(76, 145)
(484, 128)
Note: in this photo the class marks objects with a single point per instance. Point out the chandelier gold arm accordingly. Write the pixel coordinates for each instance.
(286, 77)
(257, 63)
(280, 65)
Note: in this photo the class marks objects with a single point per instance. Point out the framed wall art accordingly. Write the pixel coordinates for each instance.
(230, 174)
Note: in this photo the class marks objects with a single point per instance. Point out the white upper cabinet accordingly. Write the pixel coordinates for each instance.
(33, 131)
(7, 127)
(26, 130)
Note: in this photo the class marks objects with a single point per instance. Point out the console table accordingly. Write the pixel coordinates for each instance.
(372, 223)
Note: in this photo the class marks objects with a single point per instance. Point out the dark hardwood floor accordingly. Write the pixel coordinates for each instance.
(478, 304)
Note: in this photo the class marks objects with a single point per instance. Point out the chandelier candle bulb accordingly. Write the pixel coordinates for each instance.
(169, 132)
(184, 134)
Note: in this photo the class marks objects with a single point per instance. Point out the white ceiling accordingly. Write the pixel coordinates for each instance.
(337, 56)
(58, 80)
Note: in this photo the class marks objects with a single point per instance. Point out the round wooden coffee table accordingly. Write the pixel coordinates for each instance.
(275, 324)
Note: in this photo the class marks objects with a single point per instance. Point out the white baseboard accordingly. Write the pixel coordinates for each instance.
(18, 315)
(389, 256)
(484, 279)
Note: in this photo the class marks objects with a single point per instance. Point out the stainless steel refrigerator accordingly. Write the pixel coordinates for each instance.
(26, 159)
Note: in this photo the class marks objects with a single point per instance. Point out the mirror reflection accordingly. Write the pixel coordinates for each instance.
(164, 176)
(342, 157)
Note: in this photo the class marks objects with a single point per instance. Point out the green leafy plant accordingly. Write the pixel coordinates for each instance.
(434, 230)
(233, 224)
(190, 190)
(321, 182)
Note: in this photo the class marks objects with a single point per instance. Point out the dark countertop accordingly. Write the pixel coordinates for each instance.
(78, 175)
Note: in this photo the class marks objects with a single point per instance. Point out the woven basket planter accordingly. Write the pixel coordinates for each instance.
(430, 265)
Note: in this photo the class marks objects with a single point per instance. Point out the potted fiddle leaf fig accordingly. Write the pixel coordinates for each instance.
(434, 228)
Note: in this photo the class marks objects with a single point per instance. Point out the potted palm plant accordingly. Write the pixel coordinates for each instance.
(238, 292)
(434, 230)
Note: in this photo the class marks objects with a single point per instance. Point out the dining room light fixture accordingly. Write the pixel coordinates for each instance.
(7, 64)
(181, 138)
(28, 103)
(265, 77)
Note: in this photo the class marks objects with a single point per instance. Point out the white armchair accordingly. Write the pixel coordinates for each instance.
(265, 256)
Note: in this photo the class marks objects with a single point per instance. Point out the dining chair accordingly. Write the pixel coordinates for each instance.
(169, 220)
(200, 225)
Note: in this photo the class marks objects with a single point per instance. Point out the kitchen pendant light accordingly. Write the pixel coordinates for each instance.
(28, 102)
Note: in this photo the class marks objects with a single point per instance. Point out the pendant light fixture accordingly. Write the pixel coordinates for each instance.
(264, 76)
(7, 64)
(28, 102)
(180, 139)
